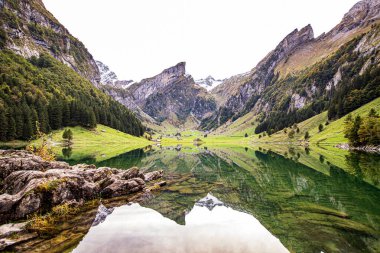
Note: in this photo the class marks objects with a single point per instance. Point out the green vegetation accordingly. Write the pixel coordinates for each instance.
(365, 131)
(46, 91)
(44, 150)
(94, 145)
(67, 135)
(332, 133)
(239, 127)
(46, 224)
(360, 84)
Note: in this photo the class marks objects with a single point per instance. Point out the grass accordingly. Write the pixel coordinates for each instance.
(332, 133)
(16, 144)
(309, 125)
(243, 125)
(100, 143)
(211, 140)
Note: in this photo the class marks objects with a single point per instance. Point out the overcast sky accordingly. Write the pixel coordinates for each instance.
(140, 38)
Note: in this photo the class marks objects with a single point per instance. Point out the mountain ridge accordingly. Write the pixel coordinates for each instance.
(30, 29)
(252, 91)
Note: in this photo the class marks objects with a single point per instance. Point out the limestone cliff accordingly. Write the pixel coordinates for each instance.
(297, 73)
(171, 96)
(27, 28)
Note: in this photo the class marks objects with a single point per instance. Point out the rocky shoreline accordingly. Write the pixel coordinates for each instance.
(28, 184)
(369, 149)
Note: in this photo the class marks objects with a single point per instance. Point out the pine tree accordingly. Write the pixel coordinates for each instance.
(19, 118)
(43, 118)
(65, 114)
(11, 129)
(3, 126)
(372, 113)
(34, 118)
(55, 114)
(320, 127)
(351, 129)
(307, 135)
(291, 134)
(67, 135)
(92, 119)
(27, 132)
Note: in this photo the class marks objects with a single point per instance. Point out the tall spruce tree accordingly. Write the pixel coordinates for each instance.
(11, 129)
(3, 126)
(27, 132)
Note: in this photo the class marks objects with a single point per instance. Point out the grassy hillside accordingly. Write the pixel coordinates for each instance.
(243, 125)
(98, 144)
(334, 132)
(331, 134)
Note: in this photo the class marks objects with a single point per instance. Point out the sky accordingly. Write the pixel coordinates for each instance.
(140, 38)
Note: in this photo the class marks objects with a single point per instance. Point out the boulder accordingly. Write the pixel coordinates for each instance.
(30, 184)
(150, 176)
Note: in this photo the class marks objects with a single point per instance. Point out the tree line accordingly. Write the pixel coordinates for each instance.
(363, 131)
(44, 90)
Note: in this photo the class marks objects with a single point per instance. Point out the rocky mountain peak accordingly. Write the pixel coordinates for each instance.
(208, 83)
(149, 86)
(296, 38)
(361, 13)
(291, 42)
(177, 70)
(363, 10)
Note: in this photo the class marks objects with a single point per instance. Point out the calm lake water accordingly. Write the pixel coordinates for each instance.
(290, 199)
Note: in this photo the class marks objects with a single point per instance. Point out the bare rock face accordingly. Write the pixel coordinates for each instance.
(362, 12)
(171, 95)
(33, 30)
(12, 161)
(153, 175)
(253, 91)
(30, 184)
(241, 90)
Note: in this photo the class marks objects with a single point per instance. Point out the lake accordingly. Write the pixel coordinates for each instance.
(266, 199)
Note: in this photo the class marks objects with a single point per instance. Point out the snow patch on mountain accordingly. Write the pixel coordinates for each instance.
(208, 83)
(108, 77)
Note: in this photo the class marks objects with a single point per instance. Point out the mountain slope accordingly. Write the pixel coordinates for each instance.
(281, 94)
(28, 29)
(170, 96)
(332, 132)
(45, 90)
(108, 77)
(48, 76)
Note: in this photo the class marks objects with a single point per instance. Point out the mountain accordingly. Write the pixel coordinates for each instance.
(304, 76)
(208, 83)
(108, 77)
(48, 76)
(29, 29)
(171, 96)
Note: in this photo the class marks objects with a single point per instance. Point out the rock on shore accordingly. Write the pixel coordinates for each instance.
(29, 184)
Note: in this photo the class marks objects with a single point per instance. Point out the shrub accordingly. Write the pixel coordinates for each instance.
(291, 134)
(67, 135)
(307, 135)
